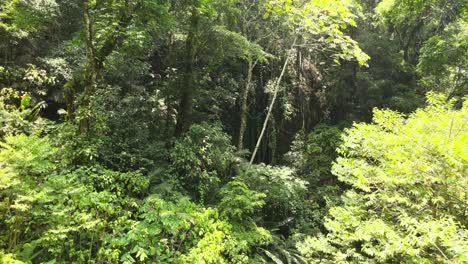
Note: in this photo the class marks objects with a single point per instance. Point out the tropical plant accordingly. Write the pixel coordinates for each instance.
(407, 202)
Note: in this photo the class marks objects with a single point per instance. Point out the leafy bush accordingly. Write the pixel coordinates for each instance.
(133, 120)
(27, 155)
(18, 115)
(313, 155)
(25, 161)
(128, 183)
(408, 201)
(239, 202)
(95, 215)
(285, 193)
(443, 60)
(201, 158)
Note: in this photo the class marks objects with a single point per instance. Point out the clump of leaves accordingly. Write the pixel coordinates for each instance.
(27, 155)
(9, 259)
(444, 61)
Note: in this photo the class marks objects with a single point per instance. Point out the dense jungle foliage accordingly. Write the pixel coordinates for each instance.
(233, 131)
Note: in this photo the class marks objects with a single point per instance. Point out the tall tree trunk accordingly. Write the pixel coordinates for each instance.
(410, 39)
(184, 116)
(90, 71)
(275, 94)
(244, 104)
(95, 62)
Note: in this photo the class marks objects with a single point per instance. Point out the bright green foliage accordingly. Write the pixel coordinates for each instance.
(414, 22)
(20, 17)
(239, 202)
(409, 13)
(397, 11)
(179, 232)
(17, 115)
(235, 45)
(279, 194)
(24, 160)
(98, 214)
(24, 163)
(408, 202)
(238, 205)
(27, 155)
(42, 212)
(9, 259)
(321, 24)
(201, 158)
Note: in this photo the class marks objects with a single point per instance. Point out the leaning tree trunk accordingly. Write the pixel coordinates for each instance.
(272, 103)
(244, 105)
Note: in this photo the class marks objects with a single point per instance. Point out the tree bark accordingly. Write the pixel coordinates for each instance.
(270, 108)
(90, 71)
(184, 116)
(244, 105)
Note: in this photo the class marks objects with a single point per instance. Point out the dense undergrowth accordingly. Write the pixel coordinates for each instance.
(403, 178)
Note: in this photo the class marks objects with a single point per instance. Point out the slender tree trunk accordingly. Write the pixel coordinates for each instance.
(451, 90)
(275, 94)
(244, 104)
(69, 92)
(184, 116)
(273, 140)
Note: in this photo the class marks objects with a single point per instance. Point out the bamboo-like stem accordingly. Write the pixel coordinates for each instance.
(272, 103)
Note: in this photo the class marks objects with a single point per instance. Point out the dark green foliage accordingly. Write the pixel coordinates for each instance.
(444, 61)
(201, 160)
(134, 144)
(313, 157)
(285, 194)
